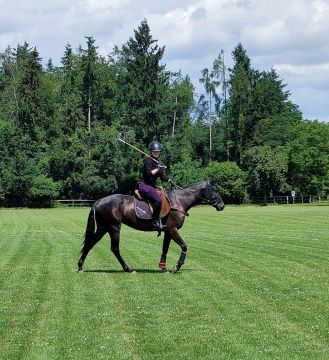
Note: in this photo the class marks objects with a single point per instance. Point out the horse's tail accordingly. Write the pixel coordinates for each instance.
(90, 229)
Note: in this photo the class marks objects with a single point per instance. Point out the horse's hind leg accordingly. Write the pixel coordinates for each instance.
(115, 246)
(90, 242)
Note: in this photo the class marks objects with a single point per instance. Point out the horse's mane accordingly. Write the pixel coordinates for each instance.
(197, 185)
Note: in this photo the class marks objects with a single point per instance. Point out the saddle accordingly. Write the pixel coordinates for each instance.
(144, 207)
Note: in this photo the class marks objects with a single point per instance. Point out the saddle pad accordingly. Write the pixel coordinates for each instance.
(142, 209)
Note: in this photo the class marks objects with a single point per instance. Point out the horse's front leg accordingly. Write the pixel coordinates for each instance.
(165, 248)
(181, 260)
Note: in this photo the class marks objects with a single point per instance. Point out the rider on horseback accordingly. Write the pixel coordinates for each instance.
(153, 170)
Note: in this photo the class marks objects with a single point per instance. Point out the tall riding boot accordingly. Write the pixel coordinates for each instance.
(156, 221)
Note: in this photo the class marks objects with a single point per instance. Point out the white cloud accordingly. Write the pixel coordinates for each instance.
(288, 35)
(309, 87)
(313, 70)
(105, 5)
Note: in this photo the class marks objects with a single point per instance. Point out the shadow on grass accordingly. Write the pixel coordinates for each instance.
(143, 271)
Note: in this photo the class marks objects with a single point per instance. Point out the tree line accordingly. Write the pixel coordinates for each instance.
(59, 125)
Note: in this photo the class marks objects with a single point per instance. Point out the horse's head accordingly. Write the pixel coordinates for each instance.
(212, 196)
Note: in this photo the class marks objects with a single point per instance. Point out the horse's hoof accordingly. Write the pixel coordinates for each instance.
(80, 271)
(175, 269)
(128, 270)
(133, 272)
(165, 271)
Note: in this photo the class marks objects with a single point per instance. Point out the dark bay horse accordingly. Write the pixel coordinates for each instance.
(110, 212)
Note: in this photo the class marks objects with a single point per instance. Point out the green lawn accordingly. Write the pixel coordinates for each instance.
(254, 286)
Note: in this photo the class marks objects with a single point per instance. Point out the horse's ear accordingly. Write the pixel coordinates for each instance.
(209, 182)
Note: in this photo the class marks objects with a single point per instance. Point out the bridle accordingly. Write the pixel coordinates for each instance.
(212, 202)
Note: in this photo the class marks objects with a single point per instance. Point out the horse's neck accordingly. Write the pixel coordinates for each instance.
(188, 198)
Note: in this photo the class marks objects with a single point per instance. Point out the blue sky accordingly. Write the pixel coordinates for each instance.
(290, 36)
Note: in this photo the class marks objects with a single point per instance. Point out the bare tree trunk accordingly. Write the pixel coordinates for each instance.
(174, 120)
(225, 107)
(89, 132)
(210, 128)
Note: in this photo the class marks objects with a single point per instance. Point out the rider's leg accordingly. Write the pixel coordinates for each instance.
(150, 193)
(156, 221)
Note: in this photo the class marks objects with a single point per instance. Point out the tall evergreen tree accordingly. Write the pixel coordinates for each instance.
(269, 96)
(90, 79)
(8, 86)
(30, 88)
(71, 108)
(143, 86)
(240, 99)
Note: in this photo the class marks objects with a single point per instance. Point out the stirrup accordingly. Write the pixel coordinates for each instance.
(157, 225)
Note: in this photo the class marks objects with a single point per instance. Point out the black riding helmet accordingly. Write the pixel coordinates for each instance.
(155, 146)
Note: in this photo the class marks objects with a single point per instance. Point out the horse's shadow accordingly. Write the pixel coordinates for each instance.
(142, 271)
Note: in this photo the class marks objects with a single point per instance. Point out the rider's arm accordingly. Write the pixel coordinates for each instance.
(155, 171)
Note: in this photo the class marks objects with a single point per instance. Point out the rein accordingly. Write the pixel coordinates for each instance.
(190, 192)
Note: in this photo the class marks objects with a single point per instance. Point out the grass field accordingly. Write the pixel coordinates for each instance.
(254, 286)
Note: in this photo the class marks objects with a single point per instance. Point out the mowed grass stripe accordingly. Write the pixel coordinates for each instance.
(187, 302)
(55, 333)
(284, 241)
(254, 286)
(241, 269)
(27, 279)
(247, 267)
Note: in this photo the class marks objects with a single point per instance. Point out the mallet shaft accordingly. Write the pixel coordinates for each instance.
(134, 147)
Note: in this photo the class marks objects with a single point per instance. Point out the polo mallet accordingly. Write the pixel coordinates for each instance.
(142, 152)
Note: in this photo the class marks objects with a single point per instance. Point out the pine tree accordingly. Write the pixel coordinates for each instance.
(240, 99)
(30, 88)
(8, 86)
(90, 79)
(144, 85)
(71, 110)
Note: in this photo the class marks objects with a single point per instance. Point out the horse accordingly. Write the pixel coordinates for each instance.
(110, 212)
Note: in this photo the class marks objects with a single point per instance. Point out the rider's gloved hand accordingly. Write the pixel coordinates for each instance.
(161, 166)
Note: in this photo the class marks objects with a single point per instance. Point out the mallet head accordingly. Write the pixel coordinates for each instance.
(119, 138)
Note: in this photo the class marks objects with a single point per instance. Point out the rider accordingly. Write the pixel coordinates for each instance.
(152, 170)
